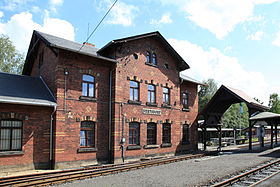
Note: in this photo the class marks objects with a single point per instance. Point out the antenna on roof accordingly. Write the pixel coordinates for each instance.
(98, 24)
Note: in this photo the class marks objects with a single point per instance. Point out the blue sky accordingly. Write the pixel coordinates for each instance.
(236, 42)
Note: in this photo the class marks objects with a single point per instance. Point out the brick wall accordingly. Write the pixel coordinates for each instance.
(36, 135)
(131, 68)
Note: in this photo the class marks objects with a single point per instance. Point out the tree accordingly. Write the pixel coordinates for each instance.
(11, 61)
(206, 93)
(233, 118)
(274, 103)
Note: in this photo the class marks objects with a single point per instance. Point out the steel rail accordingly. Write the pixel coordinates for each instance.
(82, 173)
(243, 175)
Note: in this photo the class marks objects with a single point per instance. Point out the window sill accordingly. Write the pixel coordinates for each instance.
(150, 64)
(87, 150)
(151, 104)
(11, 153)
(166, 145)
(86, 98)
(134, 102)
(151, 146)
(166, 105)
(133, 147)
(186, 109)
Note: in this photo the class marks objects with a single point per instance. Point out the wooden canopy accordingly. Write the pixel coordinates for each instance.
(221, 101)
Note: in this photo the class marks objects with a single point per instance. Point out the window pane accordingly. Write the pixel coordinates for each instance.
(5, 139)
(165, 90)
(136, 95)
(90, 138)
(16, 123)
(152, 97)
(154, 59)
(134, 135)
(133, 84)
(6, 123)
(84, 91)
(82, 138)
(148, 57)
(151, 134)
(88, 78)
(16, 139)
(91, 90)
(131, 94)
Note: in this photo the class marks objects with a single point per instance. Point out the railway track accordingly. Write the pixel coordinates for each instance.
(55, 177)
(254, 176)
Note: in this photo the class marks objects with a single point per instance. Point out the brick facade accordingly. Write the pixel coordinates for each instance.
(35, 141)
(63, 71)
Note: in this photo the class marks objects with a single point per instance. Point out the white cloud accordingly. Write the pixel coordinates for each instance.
(227, 70)
(1, 14)
(12, 5)
(256, 36)
(277, 40)
(54, 4)
(20, 27)
(165, 19)
(121, 13)
(220, 17)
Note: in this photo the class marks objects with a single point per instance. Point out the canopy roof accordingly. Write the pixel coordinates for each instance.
(266, 116)
(223, 99)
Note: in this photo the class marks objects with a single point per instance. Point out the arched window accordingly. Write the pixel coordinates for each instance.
(186, 136)
(134, 133)
(151, 93)
(166, 133)
(10, 135)
(87, 134)
(134, 91)
(151, 134)
(88, 86)
(148, 57)
(185, 100)
(154, 59)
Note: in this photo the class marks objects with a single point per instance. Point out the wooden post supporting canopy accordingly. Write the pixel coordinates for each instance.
(271, 131)
(276, 129)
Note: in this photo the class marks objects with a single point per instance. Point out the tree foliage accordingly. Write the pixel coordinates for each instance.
(233, 118)
(206, 93)
(11, 61)
(274, 103)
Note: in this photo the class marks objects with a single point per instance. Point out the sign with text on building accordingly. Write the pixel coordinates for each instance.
(149, 111)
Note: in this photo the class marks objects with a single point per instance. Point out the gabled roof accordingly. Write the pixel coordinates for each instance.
(226, 96)
(26, 90)
(189, 79)
(182, 64)
(61, 43)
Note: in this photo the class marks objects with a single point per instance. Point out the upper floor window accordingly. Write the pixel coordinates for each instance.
(134, 133)
(148, 57)
(166, 133)
(151, 133)
(186, 136)
(87, 134)
(185, 100)
(88, 86)
(154, 59)
(151, 93)
(10, 135)
(134, 91)
(166, 95)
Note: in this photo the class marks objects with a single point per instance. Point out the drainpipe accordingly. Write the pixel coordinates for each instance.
(51, 164)
(110, 117)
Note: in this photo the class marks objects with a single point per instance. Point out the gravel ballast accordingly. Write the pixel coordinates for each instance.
(193, 172)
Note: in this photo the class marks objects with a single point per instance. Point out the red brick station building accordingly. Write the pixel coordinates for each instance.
(76, 105)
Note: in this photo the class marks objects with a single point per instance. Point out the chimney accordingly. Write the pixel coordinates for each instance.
(89, 44)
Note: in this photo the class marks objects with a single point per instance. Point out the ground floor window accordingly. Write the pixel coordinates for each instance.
(166, 133)
(87, 134)
(151, 133)
(186, 136)
(134, 133)
(10, 135)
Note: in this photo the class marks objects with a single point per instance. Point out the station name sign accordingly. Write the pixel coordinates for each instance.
(148, 111)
